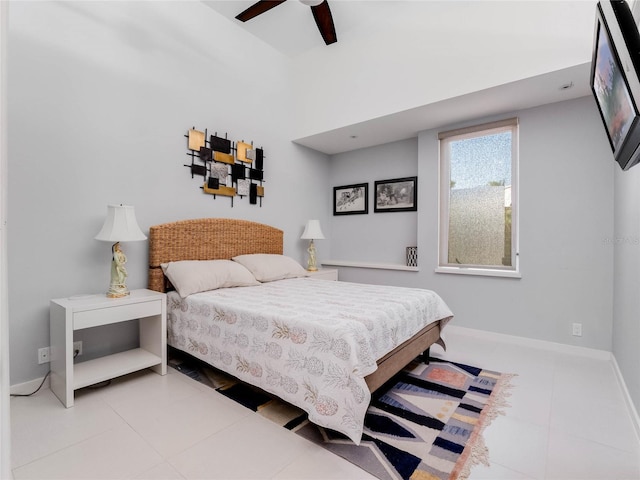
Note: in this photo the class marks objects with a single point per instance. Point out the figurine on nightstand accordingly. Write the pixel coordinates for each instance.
(118, 287)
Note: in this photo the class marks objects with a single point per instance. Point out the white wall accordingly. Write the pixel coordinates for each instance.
(357, 237)
(101, 96)
(443, 50)
(626, 305)
(626, 281)
(5, 420)
(566, 227)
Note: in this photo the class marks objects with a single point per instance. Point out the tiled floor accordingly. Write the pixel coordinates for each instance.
(567, 421)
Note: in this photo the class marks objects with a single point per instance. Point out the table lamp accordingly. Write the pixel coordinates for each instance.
(312, 232)
(119, 226)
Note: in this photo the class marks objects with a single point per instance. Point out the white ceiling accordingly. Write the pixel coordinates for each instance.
(290, 29)
(531, 92)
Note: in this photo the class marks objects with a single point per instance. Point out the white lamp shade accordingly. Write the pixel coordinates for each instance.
(312, 231)
(311, 3)
(120, 225)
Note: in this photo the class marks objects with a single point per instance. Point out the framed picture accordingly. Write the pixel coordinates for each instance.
(351, 199)
(397, 195)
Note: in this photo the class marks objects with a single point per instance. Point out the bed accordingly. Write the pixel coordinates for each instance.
(278, 335)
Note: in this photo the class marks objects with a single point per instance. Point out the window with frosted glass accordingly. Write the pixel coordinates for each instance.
(478, 210)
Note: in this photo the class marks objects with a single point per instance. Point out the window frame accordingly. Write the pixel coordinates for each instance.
(444, 138)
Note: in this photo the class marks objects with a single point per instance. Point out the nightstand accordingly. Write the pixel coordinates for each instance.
(67, 315)
(324, 274)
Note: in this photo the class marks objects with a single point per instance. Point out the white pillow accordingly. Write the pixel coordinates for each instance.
(193, 276)
(267, 267)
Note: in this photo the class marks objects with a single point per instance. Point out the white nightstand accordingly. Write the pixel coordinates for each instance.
(324, 274)
(87, 311)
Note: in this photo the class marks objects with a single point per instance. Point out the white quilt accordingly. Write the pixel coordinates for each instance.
(310, 342)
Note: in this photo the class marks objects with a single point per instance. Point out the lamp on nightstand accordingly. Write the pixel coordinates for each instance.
(119, 226)
(312, 232)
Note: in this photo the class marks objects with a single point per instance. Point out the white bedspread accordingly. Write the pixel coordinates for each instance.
(310, 342)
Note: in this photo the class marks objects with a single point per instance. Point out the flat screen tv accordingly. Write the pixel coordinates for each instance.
(615, 81)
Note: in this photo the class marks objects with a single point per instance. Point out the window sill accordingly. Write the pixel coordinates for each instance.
(381, 266)
(485, 272)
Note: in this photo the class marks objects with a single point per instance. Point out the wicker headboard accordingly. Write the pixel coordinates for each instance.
(207, 239)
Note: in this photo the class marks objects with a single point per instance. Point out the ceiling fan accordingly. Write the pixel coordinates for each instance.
(319, 8)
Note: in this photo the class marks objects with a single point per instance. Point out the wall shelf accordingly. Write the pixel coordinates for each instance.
(379, 266)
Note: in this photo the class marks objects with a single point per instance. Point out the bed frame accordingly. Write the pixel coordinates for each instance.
(223, 238)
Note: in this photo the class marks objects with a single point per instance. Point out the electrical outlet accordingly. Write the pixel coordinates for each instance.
(577, 330)
(44, 355)
(77, 346)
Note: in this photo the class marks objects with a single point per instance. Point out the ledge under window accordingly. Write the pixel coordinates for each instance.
(381, 266)
(485, 272)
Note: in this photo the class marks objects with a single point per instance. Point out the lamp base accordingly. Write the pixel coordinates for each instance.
(118, 287)
(117, 291)
(311, 264)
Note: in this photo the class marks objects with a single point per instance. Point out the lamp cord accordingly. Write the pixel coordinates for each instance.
(75, 354)
(35, 391)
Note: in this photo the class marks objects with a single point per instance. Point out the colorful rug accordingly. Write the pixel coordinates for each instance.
(425, 424)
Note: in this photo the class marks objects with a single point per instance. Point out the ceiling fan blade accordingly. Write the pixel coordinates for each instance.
(257, 9)
(324, 20)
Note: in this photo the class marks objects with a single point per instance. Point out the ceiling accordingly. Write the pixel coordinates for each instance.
(527, 93)
(290, 29)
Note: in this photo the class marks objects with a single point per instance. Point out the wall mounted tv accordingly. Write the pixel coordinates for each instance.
(615, 82)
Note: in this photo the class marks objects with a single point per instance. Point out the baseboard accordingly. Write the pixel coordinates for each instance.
(530, 342)
(562, 348)
(28, 387)
(633, 412)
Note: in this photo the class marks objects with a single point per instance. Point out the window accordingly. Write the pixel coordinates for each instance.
(478, 199)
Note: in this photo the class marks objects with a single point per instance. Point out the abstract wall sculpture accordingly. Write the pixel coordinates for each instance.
(229, 169)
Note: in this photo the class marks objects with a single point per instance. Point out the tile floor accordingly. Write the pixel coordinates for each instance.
(567, 420)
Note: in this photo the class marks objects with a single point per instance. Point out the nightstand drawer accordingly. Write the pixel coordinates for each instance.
(107, 315)
(324, 274)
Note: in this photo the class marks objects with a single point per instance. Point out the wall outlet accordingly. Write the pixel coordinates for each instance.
(44, 355)
(577, 330)
(77, 346)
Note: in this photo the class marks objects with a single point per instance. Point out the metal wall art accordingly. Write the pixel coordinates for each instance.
(227, 168)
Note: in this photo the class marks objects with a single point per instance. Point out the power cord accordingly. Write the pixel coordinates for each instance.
(75, 354)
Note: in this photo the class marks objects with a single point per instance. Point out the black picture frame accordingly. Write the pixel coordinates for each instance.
(396, 195)
(351, 199)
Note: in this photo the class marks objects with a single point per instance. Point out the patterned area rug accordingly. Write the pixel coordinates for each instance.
(424, 424)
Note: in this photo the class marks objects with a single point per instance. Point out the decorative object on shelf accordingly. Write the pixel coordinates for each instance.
(119, 226)
(312, 232)
(412, 256)
(397, 195)
(351, 199)
(218, 159)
